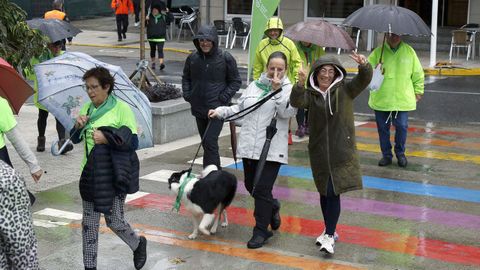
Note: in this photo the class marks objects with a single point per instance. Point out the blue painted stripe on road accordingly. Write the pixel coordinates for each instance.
(437, 191)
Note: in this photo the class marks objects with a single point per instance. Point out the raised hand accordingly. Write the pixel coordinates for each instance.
(276, 82)
(359, 58)
(302, 74)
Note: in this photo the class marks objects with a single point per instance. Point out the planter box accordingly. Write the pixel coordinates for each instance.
(172, 120)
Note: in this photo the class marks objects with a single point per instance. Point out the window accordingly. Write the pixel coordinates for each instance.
(241, 7)
(332, 8)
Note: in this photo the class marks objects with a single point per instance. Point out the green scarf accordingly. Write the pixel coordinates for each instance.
(308, 52)
(157, 17)
(266, 88)
(181, 189)
(106, 106)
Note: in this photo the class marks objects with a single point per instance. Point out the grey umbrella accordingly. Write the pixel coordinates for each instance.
(54, 29)
(388, 19)
(321, 33)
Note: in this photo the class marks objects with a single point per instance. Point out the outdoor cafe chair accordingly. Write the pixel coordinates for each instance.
(223, 31)
(241, 30)
(188, 19)
(460, 39)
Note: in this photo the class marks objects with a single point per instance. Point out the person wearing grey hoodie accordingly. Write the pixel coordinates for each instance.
(210, 79)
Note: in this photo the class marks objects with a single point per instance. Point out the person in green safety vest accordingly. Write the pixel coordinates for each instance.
(54, 49)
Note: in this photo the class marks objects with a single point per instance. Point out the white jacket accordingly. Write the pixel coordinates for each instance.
(253, 131)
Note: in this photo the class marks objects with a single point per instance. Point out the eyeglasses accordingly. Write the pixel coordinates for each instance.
(202, 40)
(92, 87)
(324, 71)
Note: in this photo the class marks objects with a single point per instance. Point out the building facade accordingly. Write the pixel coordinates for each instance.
(453, 13)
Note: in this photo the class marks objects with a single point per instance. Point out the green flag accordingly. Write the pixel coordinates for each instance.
(262, 11)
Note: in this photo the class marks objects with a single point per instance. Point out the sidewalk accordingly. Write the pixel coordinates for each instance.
(101, 32)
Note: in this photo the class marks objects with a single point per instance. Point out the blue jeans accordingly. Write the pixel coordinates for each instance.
(400, 121)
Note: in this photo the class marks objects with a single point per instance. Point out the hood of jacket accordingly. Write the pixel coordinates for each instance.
(325, 60)
(274, 23)
(208, 32)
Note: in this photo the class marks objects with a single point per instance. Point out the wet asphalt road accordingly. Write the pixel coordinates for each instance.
(446, 99)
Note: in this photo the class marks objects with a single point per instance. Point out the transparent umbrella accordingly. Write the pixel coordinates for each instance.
(61, 91)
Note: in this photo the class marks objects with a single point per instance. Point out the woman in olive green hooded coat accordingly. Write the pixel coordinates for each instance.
(332, 149)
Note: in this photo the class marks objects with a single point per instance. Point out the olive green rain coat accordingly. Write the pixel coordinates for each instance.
(332, 147)
(283, 44)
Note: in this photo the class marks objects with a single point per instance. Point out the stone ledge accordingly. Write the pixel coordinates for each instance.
(172, 120)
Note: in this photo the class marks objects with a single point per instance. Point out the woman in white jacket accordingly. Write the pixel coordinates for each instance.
(253, 136)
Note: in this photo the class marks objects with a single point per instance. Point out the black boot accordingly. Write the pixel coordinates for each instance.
(92, 268)
(276, 221)
(68, 148)
(258, 240)
(40, 143)
(140, 254)
(384, 162)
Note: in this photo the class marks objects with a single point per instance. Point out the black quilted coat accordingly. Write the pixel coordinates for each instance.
(111, 169)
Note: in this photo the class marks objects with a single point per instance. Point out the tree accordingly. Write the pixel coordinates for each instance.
(18, 42)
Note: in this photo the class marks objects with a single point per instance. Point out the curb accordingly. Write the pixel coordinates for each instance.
(127, 47)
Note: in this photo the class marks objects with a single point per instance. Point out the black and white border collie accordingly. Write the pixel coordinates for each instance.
(205, 193)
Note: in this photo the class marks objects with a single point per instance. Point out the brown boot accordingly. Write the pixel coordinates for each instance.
(40, 143)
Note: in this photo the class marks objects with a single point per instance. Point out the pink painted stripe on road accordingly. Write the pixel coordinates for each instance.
(409, 212)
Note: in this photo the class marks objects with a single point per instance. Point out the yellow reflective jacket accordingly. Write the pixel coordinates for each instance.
(283, 44)
(404, 78)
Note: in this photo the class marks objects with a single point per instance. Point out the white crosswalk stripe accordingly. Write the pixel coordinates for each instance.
(224, 161)
(159, 176)
(51, 212)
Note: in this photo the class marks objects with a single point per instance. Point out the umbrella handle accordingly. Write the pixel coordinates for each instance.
(54, 149)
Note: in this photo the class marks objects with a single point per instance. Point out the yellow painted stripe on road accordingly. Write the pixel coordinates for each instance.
(127, 47)
(424, 141)
(425, 154)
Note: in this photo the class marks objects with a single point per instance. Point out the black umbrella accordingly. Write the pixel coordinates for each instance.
(54, 29)
(388, 19)
(271, 131)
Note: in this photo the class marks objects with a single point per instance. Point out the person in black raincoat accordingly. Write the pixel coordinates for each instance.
(210, 79)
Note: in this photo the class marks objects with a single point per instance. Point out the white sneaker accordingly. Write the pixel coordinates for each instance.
(327, 244)
(137, 24)
(318, 241)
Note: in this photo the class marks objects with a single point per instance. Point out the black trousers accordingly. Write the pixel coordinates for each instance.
(122, 24)
(156, 46)
(136, 10)
(210, 143)
(330, 205)
(42, 125)
(264, 201)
